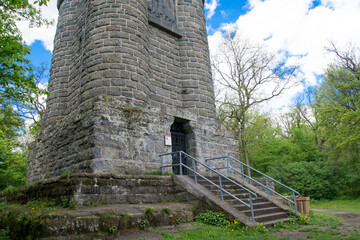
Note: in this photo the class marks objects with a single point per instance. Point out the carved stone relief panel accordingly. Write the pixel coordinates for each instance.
(163, 9)
(162, 13)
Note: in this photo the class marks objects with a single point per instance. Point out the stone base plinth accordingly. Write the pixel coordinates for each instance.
(87, 189)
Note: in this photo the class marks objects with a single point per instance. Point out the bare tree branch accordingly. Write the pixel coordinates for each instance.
(250, 76)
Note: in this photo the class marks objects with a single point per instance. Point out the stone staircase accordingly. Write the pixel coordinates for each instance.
(265, 211)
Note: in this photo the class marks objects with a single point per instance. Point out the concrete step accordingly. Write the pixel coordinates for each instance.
(229, 188)
(270, 217)
(264, 211)
(242, 207)
(244, 198)
(235, 202)
(242, 194)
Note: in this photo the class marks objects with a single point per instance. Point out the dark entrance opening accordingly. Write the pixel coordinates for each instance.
(179, 143)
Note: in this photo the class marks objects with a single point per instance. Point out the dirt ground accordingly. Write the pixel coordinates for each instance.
(351, 224)
(155, 234)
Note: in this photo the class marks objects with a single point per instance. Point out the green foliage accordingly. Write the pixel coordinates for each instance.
(112, 229)
(5, 234)
(98, 202)
(212, 218)
(166, 210)
(15, 81)
(314, 179)
(12, 153)
(324, 219)
(144, 224)
(159, 173)
(17, 87)
(40, 204)
(351, 205)
(303, 219)
(68, 203)
(336, 104)
(149, 212)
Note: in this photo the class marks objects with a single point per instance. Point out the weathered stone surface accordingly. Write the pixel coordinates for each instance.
(118, 83)
(102, 188)
(105, 222)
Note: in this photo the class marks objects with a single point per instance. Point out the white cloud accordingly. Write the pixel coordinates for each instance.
(223, 14)
(211, 6)
(301, 31)
(46, 35)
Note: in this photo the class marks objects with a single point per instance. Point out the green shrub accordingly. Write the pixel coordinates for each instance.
(312, 179)
(5, 234)
(68, 203)
(112, 229)
(212, 218)
(166, 210)
(149, 212)
(143, 224)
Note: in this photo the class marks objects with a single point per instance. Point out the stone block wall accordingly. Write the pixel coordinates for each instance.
(87, 189)
(122, 72)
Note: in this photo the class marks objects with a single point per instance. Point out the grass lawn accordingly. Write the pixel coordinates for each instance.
(322, 226)
(339, 204)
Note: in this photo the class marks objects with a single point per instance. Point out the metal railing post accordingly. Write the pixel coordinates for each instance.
(221, 191)
(195, 173)
(209, 169)
(180, 163)
(228, 165)
(267, 187)
(242, 171)
(296, 212)
(162, 164)
(251, 207)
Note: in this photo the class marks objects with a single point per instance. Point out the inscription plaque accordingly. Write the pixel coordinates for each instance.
(162, 14)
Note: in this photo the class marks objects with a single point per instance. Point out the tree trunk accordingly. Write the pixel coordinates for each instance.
(244, 146)
(246, 155)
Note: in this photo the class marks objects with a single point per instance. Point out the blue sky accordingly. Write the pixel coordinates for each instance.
(226, 11)
(296, 30)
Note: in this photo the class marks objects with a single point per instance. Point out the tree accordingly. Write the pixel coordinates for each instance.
(17, 86)
(337, 103)
(34, 109)
(12, 161)
(15, 80)
(249, 76)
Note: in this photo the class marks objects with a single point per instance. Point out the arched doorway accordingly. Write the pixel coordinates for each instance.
(179, 142)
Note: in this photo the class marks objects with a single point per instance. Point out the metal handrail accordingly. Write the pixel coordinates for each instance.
(267, 178)
(208, 180)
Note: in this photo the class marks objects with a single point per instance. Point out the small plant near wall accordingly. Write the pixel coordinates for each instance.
(149, 212)
(112, 229)
(166, 210)
(212, 218)
(143, 224)
(68, 203)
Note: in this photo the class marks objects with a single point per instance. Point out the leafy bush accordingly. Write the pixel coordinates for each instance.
(149, 212)
(212, 218)
(166, 210)
(313, 179)
(159, 173)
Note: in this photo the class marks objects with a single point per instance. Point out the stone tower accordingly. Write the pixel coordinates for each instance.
(125, 74)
